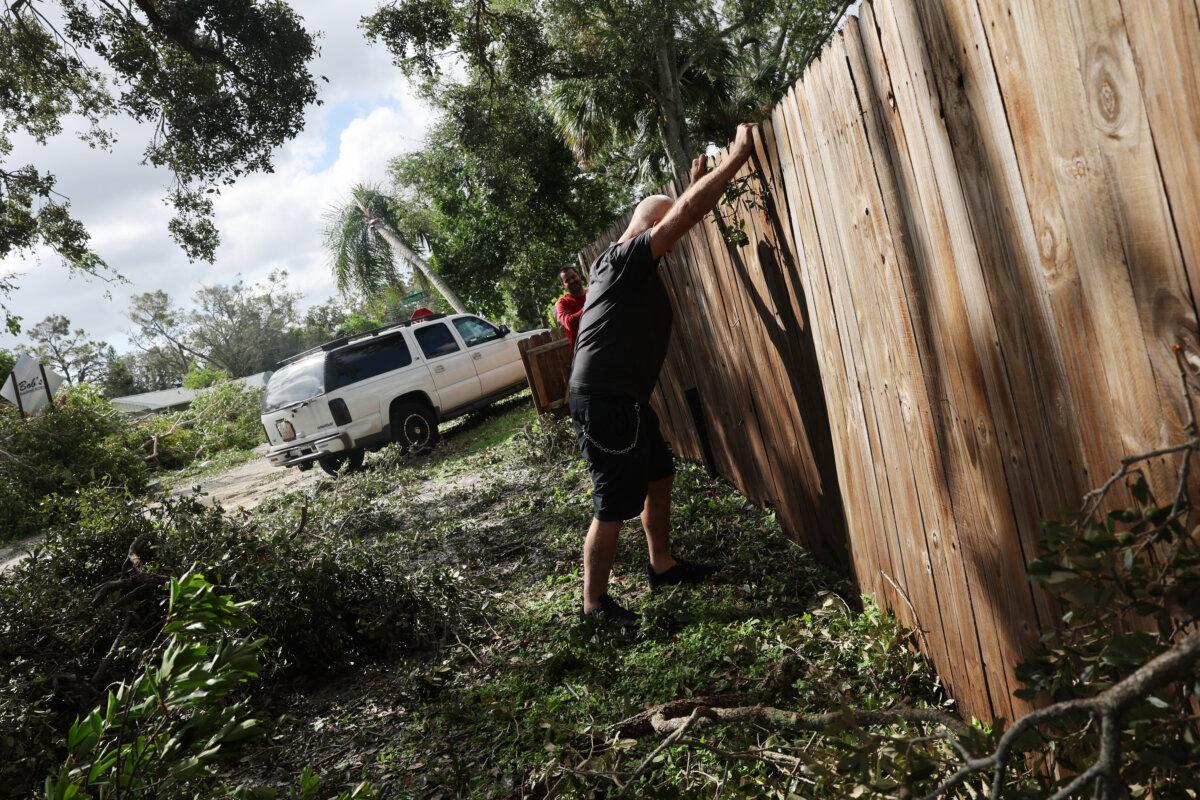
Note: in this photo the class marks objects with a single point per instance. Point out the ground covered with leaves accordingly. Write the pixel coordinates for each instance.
(420, 631)
(519, 698)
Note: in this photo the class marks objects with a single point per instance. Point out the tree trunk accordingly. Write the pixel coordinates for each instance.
(674, 122)
(403, 251)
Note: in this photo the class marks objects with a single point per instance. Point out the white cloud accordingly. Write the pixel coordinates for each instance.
(266, 221)
(275, 220)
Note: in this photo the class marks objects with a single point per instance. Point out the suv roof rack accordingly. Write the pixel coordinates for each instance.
(341, 341)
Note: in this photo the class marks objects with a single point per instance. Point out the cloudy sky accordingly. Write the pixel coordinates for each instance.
(266, 221)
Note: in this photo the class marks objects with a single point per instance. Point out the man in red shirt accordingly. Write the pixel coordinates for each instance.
(569, 307)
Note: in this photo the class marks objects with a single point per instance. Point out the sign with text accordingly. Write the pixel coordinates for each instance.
(30, 386)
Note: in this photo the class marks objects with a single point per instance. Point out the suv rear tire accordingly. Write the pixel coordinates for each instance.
(333, 464)
(414, 427)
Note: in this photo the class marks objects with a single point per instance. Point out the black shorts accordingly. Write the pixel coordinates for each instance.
(621, 442)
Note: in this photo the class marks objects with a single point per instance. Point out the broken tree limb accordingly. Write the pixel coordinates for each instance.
(665, 719)
(673, 719)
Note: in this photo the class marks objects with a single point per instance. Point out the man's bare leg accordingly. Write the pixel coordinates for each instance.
(599, 552)
(656, 521)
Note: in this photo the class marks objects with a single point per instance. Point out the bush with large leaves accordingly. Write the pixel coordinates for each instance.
(84, 609)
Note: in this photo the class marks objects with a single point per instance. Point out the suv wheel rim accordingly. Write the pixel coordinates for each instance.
(416, 430)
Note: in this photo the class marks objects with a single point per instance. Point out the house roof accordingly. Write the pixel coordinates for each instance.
(171, 399)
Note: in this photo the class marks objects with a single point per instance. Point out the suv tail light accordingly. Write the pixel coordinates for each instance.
(341, 414)
(287, 431)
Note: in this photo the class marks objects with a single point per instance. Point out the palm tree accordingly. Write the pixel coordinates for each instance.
(362, 239)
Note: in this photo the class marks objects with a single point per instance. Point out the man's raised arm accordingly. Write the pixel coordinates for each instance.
(702, 196)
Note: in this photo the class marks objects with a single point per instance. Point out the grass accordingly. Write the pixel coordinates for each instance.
(519, 697)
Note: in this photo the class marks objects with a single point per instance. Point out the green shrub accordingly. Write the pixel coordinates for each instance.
(162, 733)
(199, 377)
(78, 442)
(225, 417)
(83, 609)
(164, 441)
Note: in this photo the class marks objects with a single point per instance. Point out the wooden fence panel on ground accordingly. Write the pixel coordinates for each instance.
(945, 304)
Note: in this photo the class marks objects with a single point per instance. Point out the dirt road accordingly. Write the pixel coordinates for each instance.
(247, 485)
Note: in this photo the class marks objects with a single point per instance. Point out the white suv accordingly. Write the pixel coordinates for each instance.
(395, 384)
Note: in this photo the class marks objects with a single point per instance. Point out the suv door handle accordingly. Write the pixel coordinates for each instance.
(439, 368)
(477, 356)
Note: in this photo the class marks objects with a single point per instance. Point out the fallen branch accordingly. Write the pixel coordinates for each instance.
(1107, 707)
(729, 710)
(667, 742)
(672, 720)
(125, 584)
(303, 520)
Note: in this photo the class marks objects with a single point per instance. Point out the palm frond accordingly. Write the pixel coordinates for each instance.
(360, 259)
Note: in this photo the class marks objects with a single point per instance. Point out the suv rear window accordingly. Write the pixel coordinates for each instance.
(295, 383)
(359, 362)
(436, 340)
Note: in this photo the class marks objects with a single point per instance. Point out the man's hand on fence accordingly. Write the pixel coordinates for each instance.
(702, 196)
(699, 167)
(743, 142)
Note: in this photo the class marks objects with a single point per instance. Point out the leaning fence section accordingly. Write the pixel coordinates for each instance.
(939, 304)
(547, 360)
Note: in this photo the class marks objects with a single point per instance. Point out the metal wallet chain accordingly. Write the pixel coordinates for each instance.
(637, 429)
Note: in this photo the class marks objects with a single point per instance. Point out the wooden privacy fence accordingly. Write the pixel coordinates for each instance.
(547, 360)
(968, 240)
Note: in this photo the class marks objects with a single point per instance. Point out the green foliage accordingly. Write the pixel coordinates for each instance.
(559, 112)
(162, 733)
(203, 377)
(527, 701)
(121, 378)
(474, 612)
(324, 597)
(78, 442)
(227, 416)
(238, 328)
(225, 83)
(632, 85)
(81, 441)
(743, 194)
(361, 259)
(7, 360)
(164, 441)
(499, 200)
(550, 439)
(1129, 585)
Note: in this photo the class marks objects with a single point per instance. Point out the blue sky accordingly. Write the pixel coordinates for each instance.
(370, 115)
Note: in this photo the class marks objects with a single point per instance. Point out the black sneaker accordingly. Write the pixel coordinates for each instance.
(682, 572)
(610, 612)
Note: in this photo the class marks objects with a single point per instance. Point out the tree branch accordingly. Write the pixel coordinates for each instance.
(675, 718)
(187, 42)
(668, 717)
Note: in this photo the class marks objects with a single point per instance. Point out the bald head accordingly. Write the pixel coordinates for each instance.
(648, 213)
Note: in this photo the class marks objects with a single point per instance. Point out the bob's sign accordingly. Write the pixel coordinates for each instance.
(30, 386)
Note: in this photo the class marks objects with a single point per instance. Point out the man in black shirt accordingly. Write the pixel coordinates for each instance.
(622, 342)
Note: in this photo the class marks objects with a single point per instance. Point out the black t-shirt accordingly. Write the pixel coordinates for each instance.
(626, 323)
